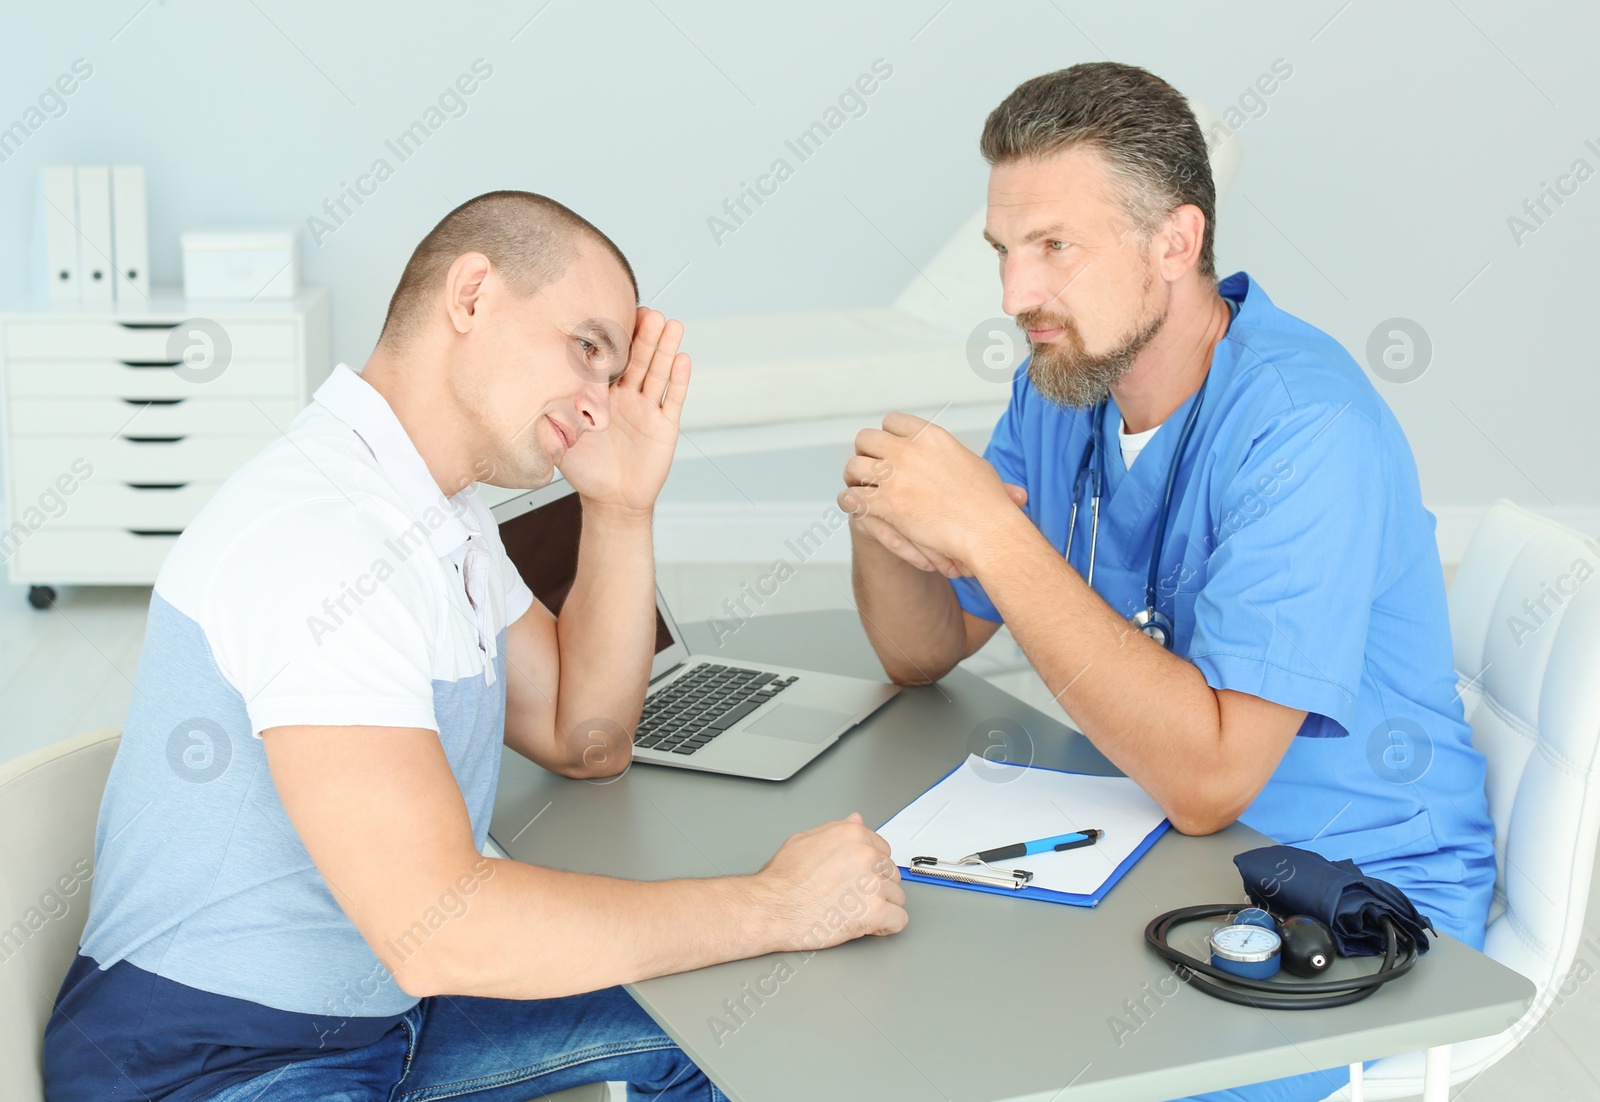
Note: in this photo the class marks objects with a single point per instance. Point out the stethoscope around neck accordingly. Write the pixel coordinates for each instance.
(1149, 620)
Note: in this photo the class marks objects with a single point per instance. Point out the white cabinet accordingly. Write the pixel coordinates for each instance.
(119, 423)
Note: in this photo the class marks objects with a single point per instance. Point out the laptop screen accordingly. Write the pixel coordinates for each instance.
(543, 543)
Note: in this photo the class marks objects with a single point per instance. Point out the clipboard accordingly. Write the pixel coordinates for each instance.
(982, 803)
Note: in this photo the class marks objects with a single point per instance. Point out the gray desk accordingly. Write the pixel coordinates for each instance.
(981, 997)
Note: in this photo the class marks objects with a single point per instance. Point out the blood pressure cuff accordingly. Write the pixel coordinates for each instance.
(1289, 881)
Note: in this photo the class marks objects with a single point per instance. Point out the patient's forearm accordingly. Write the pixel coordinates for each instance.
(606, 635)
(911, 616)
(534, 933)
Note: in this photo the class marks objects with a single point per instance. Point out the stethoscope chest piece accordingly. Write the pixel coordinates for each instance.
(1154, 623)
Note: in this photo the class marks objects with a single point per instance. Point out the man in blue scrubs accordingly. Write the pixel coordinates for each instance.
(1309, 689)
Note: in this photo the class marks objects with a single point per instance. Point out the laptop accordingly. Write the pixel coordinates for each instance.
(716, 714)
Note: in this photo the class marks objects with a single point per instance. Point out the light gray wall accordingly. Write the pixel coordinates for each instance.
(1378, 178)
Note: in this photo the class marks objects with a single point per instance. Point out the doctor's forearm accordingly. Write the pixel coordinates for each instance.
(1149, 711)
(911, 616)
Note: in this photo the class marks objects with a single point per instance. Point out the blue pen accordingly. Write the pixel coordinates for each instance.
(1041, 845)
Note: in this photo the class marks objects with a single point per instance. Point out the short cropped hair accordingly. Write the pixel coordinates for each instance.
(1139, 123)
(529, 239)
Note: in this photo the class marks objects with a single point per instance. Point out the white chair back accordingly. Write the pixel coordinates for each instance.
(49, 803)
(1525, 626)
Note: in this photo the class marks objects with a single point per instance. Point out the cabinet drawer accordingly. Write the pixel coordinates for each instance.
(94, 378)
(143, 416)
(37, 461)
(134, 506)
(149, 339)
(71, 556)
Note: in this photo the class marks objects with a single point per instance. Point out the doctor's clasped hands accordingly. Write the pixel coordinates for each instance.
(918, 492)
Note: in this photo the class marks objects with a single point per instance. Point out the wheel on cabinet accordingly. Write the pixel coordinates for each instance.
(41, 596)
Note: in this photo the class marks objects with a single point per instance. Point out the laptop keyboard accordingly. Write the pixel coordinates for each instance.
(689, 712)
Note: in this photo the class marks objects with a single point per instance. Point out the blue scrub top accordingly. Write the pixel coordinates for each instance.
(1299, 566)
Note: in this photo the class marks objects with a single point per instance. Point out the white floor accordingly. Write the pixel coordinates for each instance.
(70, 669)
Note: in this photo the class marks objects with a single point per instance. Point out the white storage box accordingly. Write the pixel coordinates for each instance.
(248, 265)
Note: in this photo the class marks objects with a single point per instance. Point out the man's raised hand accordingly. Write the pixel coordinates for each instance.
(626, 464)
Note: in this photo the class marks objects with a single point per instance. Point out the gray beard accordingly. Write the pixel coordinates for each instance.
(1066, 374)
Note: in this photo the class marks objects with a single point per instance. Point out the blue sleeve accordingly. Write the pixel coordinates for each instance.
(1284, 608)
(1005, 454)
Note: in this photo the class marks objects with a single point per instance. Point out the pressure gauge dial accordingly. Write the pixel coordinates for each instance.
(1245, 950)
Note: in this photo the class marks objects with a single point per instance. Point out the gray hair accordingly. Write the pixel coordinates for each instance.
(1138, 122)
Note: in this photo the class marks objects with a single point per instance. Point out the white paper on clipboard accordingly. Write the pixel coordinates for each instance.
(984, 805)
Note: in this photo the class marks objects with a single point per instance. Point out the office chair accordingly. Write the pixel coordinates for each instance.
(1526, 636)
(49, 802)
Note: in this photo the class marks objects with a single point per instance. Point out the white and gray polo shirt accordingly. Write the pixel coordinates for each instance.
(328, 582)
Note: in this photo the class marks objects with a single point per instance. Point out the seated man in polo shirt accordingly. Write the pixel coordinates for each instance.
(289, 900)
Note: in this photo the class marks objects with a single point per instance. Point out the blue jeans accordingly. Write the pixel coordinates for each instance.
(495, 1050)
